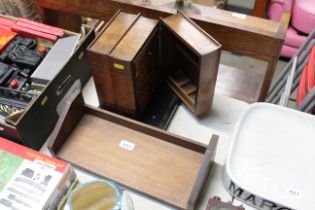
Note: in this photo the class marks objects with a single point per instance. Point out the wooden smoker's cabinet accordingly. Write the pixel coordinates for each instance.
(124, 61)
(133, 53)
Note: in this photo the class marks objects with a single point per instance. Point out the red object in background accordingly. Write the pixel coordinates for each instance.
(41, 49)
(5, 37)
(32, 33)
(55, 30)
(7, 22)
(14, 84)
(302, 90)
(41, 29)
(311, 70)
(5, 27)
(307, 81)
(31, 29)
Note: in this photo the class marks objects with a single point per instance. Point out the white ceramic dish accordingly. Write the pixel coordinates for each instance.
(271, 160)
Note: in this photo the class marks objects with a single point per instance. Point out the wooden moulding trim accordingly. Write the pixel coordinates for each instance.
(176, 35)
(211, 39)
(106, 27)
(260, 40)
(146, 129)
(232, 25)
(145, 43)
(200, 29)
(204, 171)
(69, 118)
(103, 29)
(124, 34)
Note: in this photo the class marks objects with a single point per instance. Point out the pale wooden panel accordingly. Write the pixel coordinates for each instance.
(154, 166)
(239, 84)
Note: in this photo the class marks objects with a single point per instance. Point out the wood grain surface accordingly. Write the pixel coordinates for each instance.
(159, 164)
(124, 62)
(156, 167)
(247, 35)
(98, 52)
(190, 59)
(236, 83)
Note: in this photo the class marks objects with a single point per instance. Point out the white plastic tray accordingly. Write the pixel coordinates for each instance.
(271, 160)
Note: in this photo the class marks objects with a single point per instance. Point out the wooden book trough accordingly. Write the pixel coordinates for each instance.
(149, 160)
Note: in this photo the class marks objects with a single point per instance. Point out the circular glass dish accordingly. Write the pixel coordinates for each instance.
(96, 195)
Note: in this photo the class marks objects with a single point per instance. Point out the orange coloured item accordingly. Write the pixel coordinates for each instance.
(311, 71)
(302, 91)
(6, 37)
(307, 81)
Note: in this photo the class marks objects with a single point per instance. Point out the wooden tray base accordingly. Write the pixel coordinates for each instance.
(146, 159)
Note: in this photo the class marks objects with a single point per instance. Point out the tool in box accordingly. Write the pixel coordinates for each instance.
(21, 52)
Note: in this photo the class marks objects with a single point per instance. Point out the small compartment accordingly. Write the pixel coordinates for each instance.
(190, 59)
(185, 85)
(181, 66)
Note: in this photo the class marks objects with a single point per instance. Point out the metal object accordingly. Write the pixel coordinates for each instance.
(302, 55)
(215, 203)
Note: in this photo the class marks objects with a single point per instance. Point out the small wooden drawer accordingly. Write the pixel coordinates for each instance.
(146, 58)
(149, 160)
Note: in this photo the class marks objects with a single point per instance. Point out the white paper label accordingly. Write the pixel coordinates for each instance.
(127, 145)
(238, 15)
(294, 192)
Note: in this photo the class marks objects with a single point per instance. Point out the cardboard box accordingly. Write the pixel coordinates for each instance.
(30, 180)
(33, 126)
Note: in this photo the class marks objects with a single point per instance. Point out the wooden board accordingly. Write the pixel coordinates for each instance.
(238, 83)
(161, 165)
